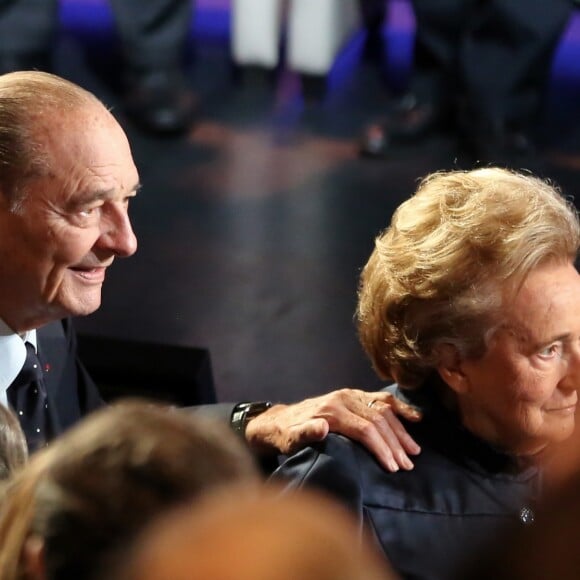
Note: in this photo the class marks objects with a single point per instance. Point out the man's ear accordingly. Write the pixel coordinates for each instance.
(33, 558)
(450, 368)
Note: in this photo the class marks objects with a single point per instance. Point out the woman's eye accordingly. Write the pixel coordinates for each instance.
(551, 350)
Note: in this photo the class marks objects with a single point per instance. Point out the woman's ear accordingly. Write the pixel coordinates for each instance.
(33, 558)
(450, 368)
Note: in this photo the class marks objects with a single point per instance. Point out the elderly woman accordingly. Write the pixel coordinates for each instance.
(470, 301)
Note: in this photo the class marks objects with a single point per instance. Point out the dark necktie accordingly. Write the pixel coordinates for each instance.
(27, 396)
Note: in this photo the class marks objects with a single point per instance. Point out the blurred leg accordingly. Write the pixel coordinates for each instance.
(507, 54)
(431, 100)
(27, 30)
(505, 65)
(153, 32)
(153, 37)
(373, 13)
(440, 25)
(256, 27)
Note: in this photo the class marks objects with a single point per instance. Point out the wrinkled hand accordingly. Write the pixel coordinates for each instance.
(288, 428)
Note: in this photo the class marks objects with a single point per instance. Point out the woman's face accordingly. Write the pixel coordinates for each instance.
(522, 394)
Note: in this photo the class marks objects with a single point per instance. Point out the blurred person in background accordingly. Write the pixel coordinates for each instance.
(481, 69)
(153, 35)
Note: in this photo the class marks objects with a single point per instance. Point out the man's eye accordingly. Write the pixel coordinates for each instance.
(87, 212)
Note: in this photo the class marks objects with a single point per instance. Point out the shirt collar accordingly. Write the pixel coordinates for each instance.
(12, 356)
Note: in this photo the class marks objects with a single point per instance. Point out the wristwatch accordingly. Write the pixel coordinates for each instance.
(243, 412)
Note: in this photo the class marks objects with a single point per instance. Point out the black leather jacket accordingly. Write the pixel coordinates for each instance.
(428, 520)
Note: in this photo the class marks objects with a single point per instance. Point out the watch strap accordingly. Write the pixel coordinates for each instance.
(244, 412)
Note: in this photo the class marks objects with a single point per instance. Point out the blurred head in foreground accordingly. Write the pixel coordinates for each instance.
(78, 504)
(256, 535)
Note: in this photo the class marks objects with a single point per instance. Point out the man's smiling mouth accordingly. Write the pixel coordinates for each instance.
(94, 274)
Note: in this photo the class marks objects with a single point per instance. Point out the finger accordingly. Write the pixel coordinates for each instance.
(392, 434)
(369, 426)
(403, 442)
(398, 429)
(400, 407)
(378, 441)
(405, 410)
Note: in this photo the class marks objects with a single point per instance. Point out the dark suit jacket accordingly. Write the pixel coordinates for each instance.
(460, 494)
(71, 392)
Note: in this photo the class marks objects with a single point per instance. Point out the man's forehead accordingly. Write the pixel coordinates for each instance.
(97, 141)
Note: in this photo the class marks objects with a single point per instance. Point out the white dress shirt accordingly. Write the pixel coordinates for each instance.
(12, 356)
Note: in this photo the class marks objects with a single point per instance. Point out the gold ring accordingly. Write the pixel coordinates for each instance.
(371, 403)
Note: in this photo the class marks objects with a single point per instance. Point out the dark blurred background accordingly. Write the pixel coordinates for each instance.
(254, 226)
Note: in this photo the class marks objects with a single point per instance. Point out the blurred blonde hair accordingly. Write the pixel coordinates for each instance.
(440, 272)
(13, 448)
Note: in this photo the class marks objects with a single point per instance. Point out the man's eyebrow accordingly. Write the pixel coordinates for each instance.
(97, 195)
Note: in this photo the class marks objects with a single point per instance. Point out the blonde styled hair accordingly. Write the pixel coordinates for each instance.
(26, 99)
(13, 447)
(437, 273)
(88, 494)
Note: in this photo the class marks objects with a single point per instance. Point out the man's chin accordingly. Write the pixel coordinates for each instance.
(87, 308)
(82, 305)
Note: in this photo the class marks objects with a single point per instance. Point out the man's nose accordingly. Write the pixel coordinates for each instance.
(117, 233)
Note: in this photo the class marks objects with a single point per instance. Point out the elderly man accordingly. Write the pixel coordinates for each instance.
(66, 178)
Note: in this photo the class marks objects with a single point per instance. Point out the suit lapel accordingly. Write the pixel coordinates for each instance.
(52, 352)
